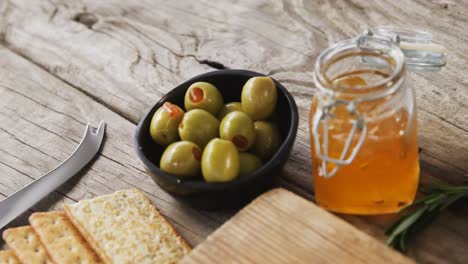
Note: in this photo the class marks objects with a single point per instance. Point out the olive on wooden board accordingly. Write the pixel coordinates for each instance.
(220, 161)
(267, 139)
(228, 108)
(259, 97)
(182, 158)
(203, 95)
(164, 124)
(238, 127)
(198, 126)
(249, 163)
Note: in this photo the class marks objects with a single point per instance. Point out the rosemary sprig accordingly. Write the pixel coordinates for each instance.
(423, 211)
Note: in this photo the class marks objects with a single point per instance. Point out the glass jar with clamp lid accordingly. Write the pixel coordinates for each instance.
(363, 123)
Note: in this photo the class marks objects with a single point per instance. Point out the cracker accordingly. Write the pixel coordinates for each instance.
(125, 227)
(61, 239)
(26, 245)
(8, 257)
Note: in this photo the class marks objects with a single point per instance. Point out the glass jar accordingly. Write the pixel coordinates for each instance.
(363, 121)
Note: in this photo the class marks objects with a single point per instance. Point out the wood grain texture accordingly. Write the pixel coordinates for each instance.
(281, 227)
(116, 59)
(128, 54)
(42, 120)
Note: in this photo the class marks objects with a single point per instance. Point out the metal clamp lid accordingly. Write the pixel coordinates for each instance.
(420, 52)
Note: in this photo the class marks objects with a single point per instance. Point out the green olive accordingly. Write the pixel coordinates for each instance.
(220, 161)
(267, 140)
(182, 159)
(249, 163)
(228, 108)
(238, 128)
(198, 126)
(259, 97)
(164, 124)
(203, 95)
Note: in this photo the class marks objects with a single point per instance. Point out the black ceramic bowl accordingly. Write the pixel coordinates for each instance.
(205, 195)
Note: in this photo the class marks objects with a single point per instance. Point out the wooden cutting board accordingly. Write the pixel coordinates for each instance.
(281, 227)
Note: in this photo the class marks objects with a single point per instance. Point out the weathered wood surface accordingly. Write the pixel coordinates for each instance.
(42, 121)
(114, 60)
(281, 227)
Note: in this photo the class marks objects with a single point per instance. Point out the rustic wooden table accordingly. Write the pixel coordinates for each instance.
(65, 63)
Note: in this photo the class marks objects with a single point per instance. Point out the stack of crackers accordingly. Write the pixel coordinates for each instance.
(123, 227)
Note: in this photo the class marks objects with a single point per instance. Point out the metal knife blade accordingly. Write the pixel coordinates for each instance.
(20, 201)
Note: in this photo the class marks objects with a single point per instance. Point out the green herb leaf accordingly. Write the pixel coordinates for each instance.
(422, 212)
(407, 222)
(449, 201)
(402, 243)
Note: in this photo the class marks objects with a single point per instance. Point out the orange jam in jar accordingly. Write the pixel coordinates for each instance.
(363, 128)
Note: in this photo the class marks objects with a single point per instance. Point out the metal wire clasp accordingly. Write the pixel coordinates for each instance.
(344, 159)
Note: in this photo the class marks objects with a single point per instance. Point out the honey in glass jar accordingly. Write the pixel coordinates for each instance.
(363, 121)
